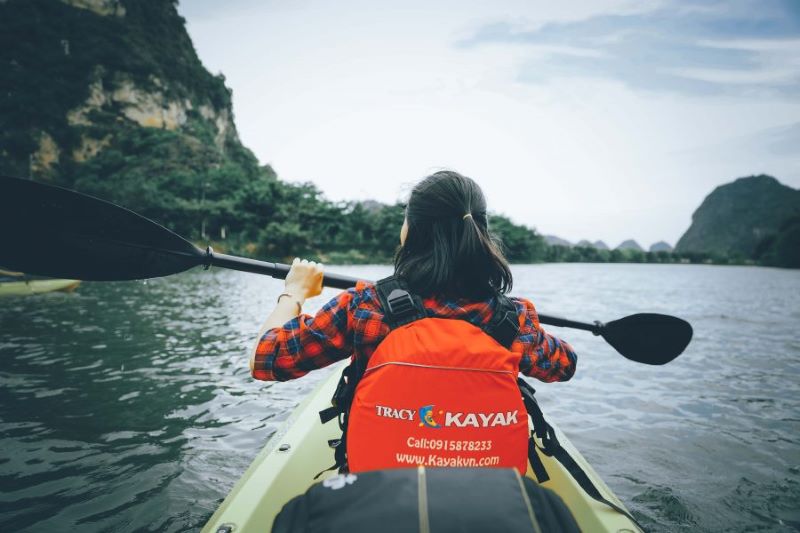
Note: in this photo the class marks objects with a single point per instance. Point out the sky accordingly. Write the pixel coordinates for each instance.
(583, 119)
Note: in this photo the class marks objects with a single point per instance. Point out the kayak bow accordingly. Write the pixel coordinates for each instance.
(299, 450)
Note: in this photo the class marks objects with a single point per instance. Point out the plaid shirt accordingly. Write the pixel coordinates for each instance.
(352, 324)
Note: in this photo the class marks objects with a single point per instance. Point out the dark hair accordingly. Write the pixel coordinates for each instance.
(448, 250)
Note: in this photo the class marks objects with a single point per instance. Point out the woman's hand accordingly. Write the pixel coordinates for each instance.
(304, 279)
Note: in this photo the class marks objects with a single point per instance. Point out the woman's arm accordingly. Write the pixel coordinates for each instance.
(303, 281)
(304, 343)
(544, 356)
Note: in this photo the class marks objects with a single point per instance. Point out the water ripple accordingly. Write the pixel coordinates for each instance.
(126, 406)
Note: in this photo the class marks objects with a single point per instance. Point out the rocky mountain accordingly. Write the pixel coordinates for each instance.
(372, 206)
(737, 217)
(552, 240)
(630, 244)
(661, 246)
(109, 97)
(597, 245)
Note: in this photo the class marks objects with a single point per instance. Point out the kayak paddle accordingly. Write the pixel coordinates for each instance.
(56, 232)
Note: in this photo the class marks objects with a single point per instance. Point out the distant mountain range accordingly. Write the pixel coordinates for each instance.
(754, 219)
(660, 246)
(552, 240)
(628, 244)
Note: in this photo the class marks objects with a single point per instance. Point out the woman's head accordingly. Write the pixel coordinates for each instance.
(448, 249)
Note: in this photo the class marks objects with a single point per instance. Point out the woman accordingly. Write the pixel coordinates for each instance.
(450, 263)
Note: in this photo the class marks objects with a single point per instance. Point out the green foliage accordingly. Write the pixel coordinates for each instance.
(735, 217)
(783, 248)
(308, 224)
(520, 244)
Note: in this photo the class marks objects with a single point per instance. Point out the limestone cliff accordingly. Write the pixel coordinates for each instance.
(84, 75)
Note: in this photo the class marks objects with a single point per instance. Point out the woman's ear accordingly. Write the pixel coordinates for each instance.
(404, 232)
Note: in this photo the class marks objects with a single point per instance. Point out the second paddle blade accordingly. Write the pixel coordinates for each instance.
(649, 338)
(51, 231)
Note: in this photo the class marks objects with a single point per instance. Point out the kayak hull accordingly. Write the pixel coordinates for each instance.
(37, 286)
(299, 451)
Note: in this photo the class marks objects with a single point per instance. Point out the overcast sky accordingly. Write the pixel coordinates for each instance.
(586, 119)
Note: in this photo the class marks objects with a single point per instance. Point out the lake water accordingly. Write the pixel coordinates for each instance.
(129, 406)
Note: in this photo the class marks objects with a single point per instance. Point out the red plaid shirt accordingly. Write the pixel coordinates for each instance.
(352, 324)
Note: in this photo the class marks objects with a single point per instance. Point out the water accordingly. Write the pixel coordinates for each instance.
(129, 406)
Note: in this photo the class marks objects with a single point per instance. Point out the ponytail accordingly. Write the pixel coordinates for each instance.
(449, 250)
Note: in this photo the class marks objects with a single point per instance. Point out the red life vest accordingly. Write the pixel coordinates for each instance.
(441, 393)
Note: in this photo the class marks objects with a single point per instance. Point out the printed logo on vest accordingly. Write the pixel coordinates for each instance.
(426, 417)
(480, 420)
(392, 412)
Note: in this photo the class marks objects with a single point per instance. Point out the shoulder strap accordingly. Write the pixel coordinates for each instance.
(504, 324)
(400, 306)
(552, 448)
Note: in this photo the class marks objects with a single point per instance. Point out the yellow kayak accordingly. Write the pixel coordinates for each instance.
(299, 450)
(36, 286)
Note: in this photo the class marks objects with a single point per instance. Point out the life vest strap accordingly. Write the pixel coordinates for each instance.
(400, 307)
(504, 324)
(552, 448)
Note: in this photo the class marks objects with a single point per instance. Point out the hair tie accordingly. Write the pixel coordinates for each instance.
(467, 215)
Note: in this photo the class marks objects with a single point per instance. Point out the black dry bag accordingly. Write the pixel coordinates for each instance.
(434, 500)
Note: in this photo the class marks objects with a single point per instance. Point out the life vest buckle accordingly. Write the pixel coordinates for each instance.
(401, 304)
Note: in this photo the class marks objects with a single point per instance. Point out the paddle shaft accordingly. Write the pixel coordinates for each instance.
(337, 281)
(61, 233)
(276, 270)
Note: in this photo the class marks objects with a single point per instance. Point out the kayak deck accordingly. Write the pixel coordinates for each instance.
(37, 286)
(299, 450)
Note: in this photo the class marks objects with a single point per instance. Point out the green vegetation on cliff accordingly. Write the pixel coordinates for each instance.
(74, 76)
(782, 248)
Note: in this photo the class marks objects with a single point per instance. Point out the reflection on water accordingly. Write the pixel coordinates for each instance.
(129, 405)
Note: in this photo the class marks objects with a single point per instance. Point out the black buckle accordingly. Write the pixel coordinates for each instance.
(400, 303)
(507, 329)
(326, 415)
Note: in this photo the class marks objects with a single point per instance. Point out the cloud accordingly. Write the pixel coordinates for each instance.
(746, 47)
(784, 140)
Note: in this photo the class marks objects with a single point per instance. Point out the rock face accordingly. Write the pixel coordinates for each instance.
(630, 244)
(600, 245)
(87, 76)
(103, 8)
(660, 246)
(736, 217)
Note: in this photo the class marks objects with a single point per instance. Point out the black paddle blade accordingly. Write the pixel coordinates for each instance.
(51, 231)
(648, 338)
